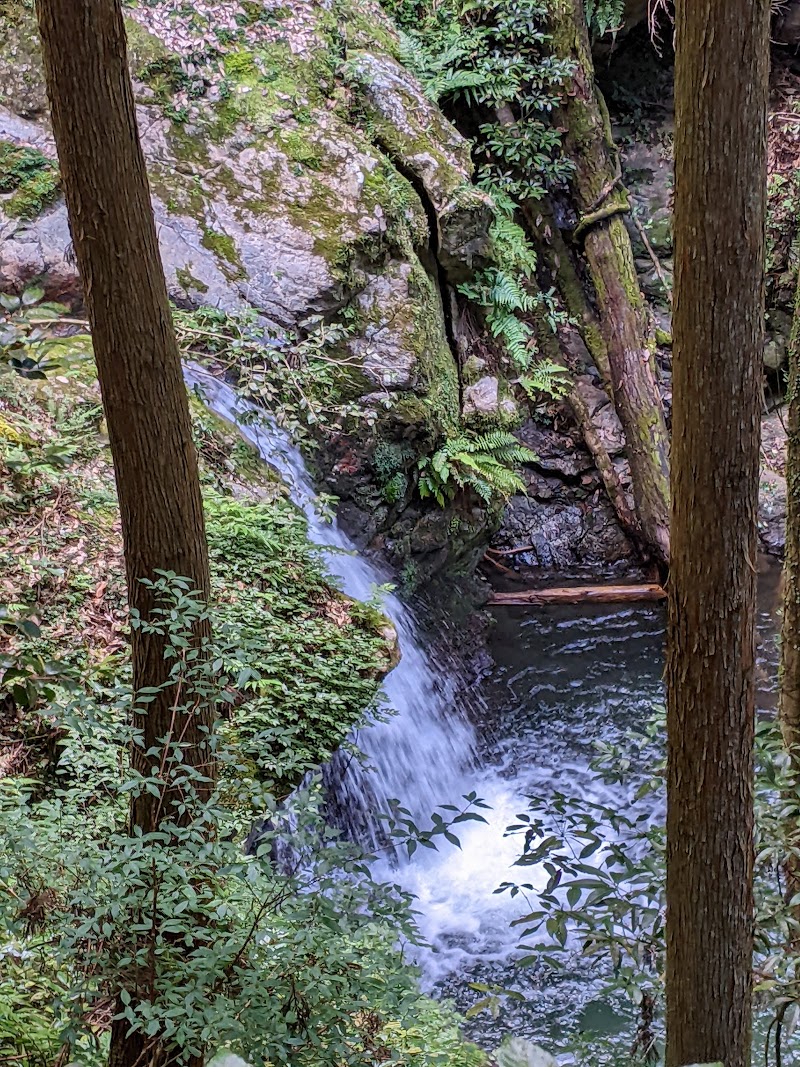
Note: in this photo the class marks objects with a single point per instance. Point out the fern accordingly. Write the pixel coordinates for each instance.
(482, 463)
(545, 377)
(605, 15)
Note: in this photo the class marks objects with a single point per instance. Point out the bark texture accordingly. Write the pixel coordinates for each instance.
(602, 203)
(144, 397)
(720, 163)
(790, 628)
(789, 695)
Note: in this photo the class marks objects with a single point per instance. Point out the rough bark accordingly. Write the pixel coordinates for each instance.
(789, 695)
(581, 594)
(602, 202)
(720, 182)
(138, 364)
(551, 345)
(550, 242)
(789, 699)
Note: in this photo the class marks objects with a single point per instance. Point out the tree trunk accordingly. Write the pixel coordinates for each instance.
(602, 203)
(551, 345)
(550, 243)
(789, 696)
(720, 182)
(138, 364)
(605, 465)
(790, 629)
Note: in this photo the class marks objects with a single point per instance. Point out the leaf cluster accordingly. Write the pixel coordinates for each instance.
(285, 950)
(483, 463)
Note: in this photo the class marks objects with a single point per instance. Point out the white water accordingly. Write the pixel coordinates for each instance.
(426, 754)
(422, 755)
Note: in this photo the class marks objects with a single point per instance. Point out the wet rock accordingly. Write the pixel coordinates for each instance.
(772, 485)
(772, 512)
(564, 536)
(484, 399)
(431, 153)
(779, 328)
(562, 453)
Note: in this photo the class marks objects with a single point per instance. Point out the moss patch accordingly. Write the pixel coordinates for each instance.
(224, 248)
(187, 281)
(30, 177)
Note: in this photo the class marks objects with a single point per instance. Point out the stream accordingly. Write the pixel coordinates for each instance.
(563, 679)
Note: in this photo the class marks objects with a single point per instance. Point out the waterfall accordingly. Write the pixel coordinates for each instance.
(563, 681)
(422, 753)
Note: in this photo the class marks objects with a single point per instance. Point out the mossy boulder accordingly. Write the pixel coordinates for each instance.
(426, 147)
(303, 174)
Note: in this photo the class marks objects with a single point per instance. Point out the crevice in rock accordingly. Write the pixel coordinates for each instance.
(429, 258)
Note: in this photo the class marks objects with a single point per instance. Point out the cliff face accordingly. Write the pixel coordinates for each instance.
(299, 171)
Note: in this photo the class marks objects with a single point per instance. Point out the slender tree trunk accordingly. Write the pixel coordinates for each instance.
(550, 243)
(138, 364)
(551, 345)
(602, 203)
(789, 696)
(790, 629)
(604, 464)
(720, 168)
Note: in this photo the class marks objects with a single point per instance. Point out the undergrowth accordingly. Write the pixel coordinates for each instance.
(316, 658)
(240, 925)
(492, 62)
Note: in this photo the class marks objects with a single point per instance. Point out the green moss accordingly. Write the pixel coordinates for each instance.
(437, 365)
(262, 85)
(300, 149)
(319, 657)
(187, 281)
(663, 338)
(224, 248)
(145, 49)
(406, 221)
(241, 66)
(30, 177)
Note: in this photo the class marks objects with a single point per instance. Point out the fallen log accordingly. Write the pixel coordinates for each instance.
(580, 594)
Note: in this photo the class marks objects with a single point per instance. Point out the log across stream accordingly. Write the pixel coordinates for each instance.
(633, 593)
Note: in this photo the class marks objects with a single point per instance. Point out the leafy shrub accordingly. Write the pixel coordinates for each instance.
(491, 56)
(286, 953)
(315, 659)
(604, 900)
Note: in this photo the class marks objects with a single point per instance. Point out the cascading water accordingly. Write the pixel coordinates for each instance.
(564, 679)
(426, 754)
(420, 755)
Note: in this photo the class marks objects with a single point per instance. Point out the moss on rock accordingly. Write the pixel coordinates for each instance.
(31, 179)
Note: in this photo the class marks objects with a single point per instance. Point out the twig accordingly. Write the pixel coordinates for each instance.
(609, 187)
(499, 566)
(511, 551)
(651, 252)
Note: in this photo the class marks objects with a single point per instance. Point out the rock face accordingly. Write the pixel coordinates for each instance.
(772, 485)
(565, 521)
(298, 185)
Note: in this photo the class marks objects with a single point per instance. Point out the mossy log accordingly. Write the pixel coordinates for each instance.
(551, 245)
(608, 252)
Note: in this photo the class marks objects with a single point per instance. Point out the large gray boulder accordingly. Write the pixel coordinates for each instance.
(270, 195)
